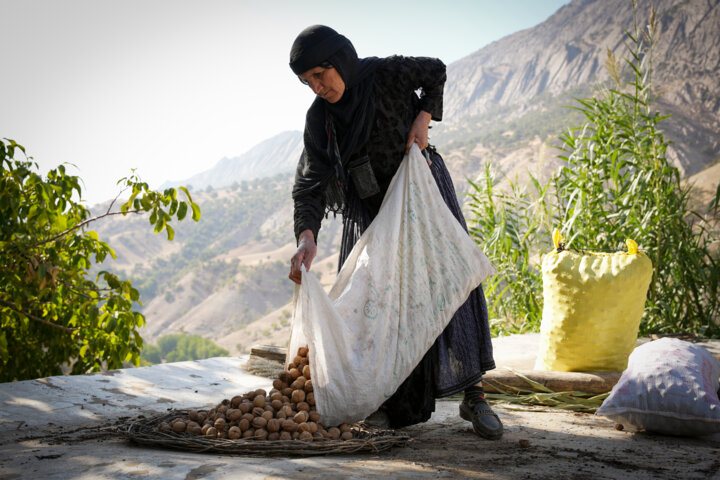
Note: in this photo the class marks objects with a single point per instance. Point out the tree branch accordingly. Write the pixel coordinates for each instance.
(80, 225)
(37, 319)
(115, 200)
(78, 289)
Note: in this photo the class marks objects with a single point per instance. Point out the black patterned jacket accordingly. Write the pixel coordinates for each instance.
(397, 83)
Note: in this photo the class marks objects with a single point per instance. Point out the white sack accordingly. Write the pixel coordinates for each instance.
(401, 284)
(670, 386)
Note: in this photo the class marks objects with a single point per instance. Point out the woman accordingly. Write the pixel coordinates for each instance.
(366, 116)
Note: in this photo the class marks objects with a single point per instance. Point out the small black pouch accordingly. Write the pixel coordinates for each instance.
(363, 177)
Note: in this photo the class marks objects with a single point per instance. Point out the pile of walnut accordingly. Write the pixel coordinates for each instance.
(287, 413)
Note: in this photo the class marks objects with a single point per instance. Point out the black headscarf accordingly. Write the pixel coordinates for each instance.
(350, 119)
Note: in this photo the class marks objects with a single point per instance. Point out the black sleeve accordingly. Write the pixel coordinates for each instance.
(309, 204)
(425, 74)
(311, 175)
(309, 188)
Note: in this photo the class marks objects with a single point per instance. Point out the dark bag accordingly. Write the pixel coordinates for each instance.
(363, 177)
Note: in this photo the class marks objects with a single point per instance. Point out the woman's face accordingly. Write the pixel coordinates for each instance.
(325, 82)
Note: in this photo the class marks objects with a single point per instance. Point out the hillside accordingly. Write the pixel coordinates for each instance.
(223, 272)
(226, 277)
(518, 87)
(273, 156)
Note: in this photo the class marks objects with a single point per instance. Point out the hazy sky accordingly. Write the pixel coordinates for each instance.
(169, 87)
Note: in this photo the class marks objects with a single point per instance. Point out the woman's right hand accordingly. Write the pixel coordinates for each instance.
(304, 255)
(419, 131)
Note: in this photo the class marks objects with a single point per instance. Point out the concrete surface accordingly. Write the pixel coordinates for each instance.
(516, 351)
(53, 428)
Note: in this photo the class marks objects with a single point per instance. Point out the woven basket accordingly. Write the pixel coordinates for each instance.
(145, 431)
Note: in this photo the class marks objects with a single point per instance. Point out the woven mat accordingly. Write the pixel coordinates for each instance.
(144, 431)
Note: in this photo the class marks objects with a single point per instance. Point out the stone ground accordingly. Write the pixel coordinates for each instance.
(54, 428)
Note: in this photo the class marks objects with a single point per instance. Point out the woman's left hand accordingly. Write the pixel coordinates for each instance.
(419, 131)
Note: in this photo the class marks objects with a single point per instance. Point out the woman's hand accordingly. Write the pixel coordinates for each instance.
(419, 131)
(306, 251)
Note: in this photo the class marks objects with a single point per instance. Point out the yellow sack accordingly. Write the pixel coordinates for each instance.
(593, 304)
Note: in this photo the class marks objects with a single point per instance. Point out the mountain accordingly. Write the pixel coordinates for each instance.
(527, 78)
(276, 155)
(225, 277)
(515, 91)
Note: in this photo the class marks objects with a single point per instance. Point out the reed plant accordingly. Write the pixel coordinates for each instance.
(510, 225)
(616, 183)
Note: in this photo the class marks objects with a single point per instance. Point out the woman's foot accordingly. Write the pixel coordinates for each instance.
(475, 409)
(378, 419)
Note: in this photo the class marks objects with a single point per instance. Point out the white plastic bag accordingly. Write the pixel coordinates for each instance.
(670, 386)
(398, 289)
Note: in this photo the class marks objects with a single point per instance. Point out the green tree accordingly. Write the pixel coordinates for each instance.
(168, 343)
(179, 347)
(151, 354)
(53, 318)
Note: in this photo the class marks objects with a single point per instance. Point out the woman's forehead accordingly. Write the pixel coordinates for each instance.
(312, 71)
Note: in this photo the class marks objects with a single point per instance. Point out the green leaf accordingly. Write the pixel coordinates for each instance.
(195, 211)
(187, 193)
(182, 210)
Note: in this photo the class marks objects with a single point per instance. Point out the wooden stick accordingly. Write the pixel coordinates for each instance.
(591, 382)
(269, 352)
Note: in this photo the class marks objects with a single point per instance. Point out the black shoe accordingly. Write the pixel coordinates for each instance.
(485, 422)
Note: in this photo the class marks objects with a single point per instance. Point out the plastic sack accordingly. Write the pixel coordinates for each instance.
(670, 387)
(398, 289)
(593, 304)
